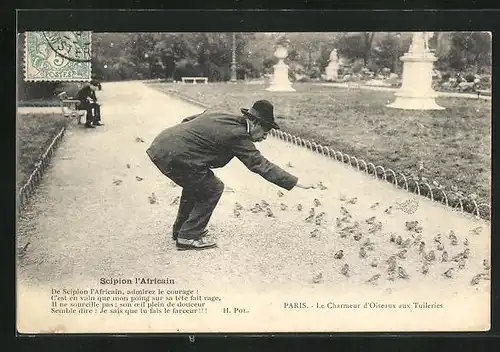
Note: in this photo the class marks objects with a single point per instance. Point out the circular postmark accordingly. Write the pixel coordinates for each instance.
(73, 45)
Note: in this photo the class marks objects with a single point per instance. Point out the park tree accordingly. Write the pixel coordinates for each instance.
(469, 51)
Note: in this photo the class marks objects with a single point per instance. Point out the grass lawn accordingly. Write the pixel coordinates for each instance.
(34, 134)
(453, 144)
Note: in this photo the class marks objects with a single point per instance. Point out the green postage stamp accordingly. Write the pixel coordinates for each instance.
(57, 56)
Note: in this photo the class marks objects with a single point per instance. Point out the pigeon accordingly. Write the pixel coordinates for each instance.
(236, 213)
(152, 199)
(437, 239)
(453, 238)
(388, 210)
(345, 212)
(345, 270)
(280, 194)
(321, 215)
(476, 230)
(342, 198)
(368, 245)
(117, 182)
(392, 238)
(362, 252)
(419, 229)
(264, 203)
(374, 205)
(392, 263)
(375, 228)
(22, 251)
(176, 200)
(311, 216)
(402, 273)
(417, 239)
(346, 219)
(486, 264)
(314, 233)
(430, 256)
(269, 213)
(374, 263)
(283, 206)
(343, 234)
(461, 263)
(373, 279)
(299, 207)
(257, 208)
(353, 200)
(391, 275)
(425, 268)
(357, 236)
(238, 206)
(370, 220)
(411, 225)
(317, 278)
(466, 253)
(406, 243)
(317, 203)
(458, 257)
(321, 186)
(466, 242)
(399, 240)
(289, 164)
(444, 257)
(339, 254)
(440, 247)
(128, 166)
(475, 280)
(338, 222)
(139, 178)
(448, 273)
(402, 254)
(139, 140)
(421, 247)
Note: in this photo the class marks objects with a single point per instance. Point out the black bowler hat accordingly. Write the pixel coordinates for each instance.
(263, 111)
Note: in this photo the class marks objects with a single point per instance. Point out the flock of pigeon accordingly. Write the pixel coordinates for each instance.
(346, 227)
(428, 253)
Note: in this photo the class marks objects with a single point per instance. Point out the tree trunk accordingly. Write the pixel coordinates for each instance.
(368, 46)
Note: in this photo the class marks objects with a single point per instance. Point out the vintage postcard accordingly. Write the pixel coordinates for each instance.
(253, 182)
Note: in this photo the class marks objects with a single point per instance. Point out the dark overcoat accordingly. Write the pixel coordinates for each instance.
(211, 140)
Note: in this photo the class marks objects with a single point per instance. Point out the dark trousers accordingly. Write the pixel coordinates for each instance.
(93, 112)
(201, 191)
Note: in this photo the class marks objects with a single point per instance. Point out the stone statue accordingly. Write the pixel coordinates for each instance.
(334, 56)
(420, 42)
(331, 71)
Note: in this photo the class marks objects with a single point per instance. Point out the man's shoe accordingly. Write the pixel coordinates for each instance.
(98, 124)
(176, 234)
(197, 244)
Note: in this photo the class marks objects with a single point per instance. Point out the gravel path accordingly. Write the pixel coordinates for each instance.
(81, 226)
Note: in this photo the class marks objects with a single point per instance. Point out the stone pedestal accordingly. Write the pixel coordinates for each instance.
(280, 81)
(416, 91)
(332, 70)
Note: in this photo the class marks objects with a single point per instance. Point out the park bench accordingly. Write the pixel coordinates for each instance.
(194, 80)
(69, 107)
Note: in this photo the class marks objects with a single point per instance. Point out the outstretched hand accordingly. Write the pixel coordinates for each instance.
(304, 186)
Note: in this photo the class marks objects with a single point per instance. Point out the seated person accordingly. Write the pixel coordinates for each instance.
(88, 102)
